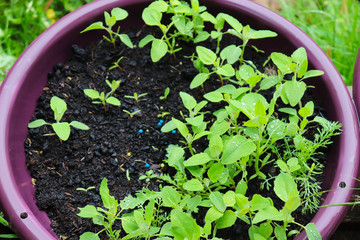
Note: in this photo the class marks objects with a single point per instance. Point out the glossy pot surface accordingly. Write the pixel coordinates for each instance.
(25, 81)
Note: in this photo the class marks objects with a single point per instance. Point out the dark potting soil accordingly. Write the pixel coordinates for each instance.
(117, 146)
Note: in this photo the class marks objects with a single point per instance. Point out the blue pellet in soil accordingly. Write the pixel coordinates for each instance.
(147, 165)
(173, 131)
(159, 123)
(165, 143)
(141, 131)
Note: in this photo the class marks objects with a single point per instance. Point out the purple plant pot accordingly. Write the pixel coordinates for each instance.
(25, 81)
(356, 82)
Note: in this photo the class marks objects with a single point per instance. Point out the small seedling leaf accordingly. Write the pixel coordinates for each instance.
(184, 226)
(170, 197)
(312, 232)
(207, 56)
(79, 125)
(282, 62)
(58, 106)
(158, 49)
(227, 220)
(214, 96)
(89, 236)
(188, 100)
(126, 40)
(197, 159)
(262, 34)
(119, 13)
(62, 129)
(89, 211)
(91, 93)
(151, 16)
(294, 91)
(313, 73)
(146, 40)
(285, 187)
(37, 123)
(183, 129)
(199, 79)
(113, 101)
(193, 185)
(94, 26)
(216, 198)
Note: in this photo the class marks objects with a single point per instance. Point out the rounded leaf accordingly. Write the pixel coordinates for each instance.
(62, 129)
(37, 123)
(79, 125)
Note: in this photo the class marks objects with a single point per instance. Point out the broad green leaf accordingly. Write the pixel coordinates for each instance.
(89, 211)
(206, 56)
(119, 13)
(262, 34)
(260, 233)
(268, 213)
(206, 16)
(169, 126)
(227, 220)
(248, 102)
(170, 197)
(37, 123)
(312, 232)
(226, 70)
(230, 89)
(219, 128)
(107, 199)
(197, 159)
(175, 156)
(307, 110)
(269, 82)
(280, 232)
(94, 26)
(195, 121)
(214, 96)
(216, 198)
(151, 16)
(183, 129)
(282, 62)
(184, 226)
(58, 106)
(215, 171)
(149, 211)
(259, 202)
(110, 22)
(126, 40)
(188, 100)
(243, 203)
(199, 79)
(229, 198)
(194, 202)
(128, 223)
(215, 145)
(299, 55)
(241, 187)
(129, 202)
(89, 236)
(113, 101)
(146, 40)
(193, 185)
(158, 49)
(294, 91)
(233, 22)
(246, 72)
(313, 73)
(62, 129)
(231, 54)
(160, 6)
(202, 36)
(276, 129)
(212, 215)
(166, 229)
(79, 125)
(285, 187)
(91, 93)
(237, 147)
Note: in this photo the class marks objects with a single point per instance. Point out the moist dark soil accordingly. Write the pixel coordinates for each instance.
(117, 146)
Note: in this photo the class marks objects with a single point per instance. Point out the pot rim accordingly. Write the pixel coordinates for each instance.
(33, 228)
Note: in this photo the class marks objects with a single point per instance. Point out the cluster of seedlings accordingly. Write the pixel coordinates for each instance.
(246, 137)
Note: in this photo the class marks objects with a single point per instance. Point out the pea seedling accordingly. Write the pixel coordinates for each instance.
(62, 129)
(166, 93)
(117, 14)
(93, 94)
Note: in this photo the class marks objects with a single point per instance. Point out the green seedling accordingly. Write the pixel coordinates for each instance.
(166, 93)
(104, 99)
(116, 64)
(148, 176)
(62, 129)
(117, 14)
(163, 114)
(85, 189)
(6, 224)
(187, 20)
(131, 114)
(136, 97)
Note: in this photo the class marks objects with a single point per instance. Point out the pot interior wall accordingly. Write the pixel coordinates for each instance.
(56, 45)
